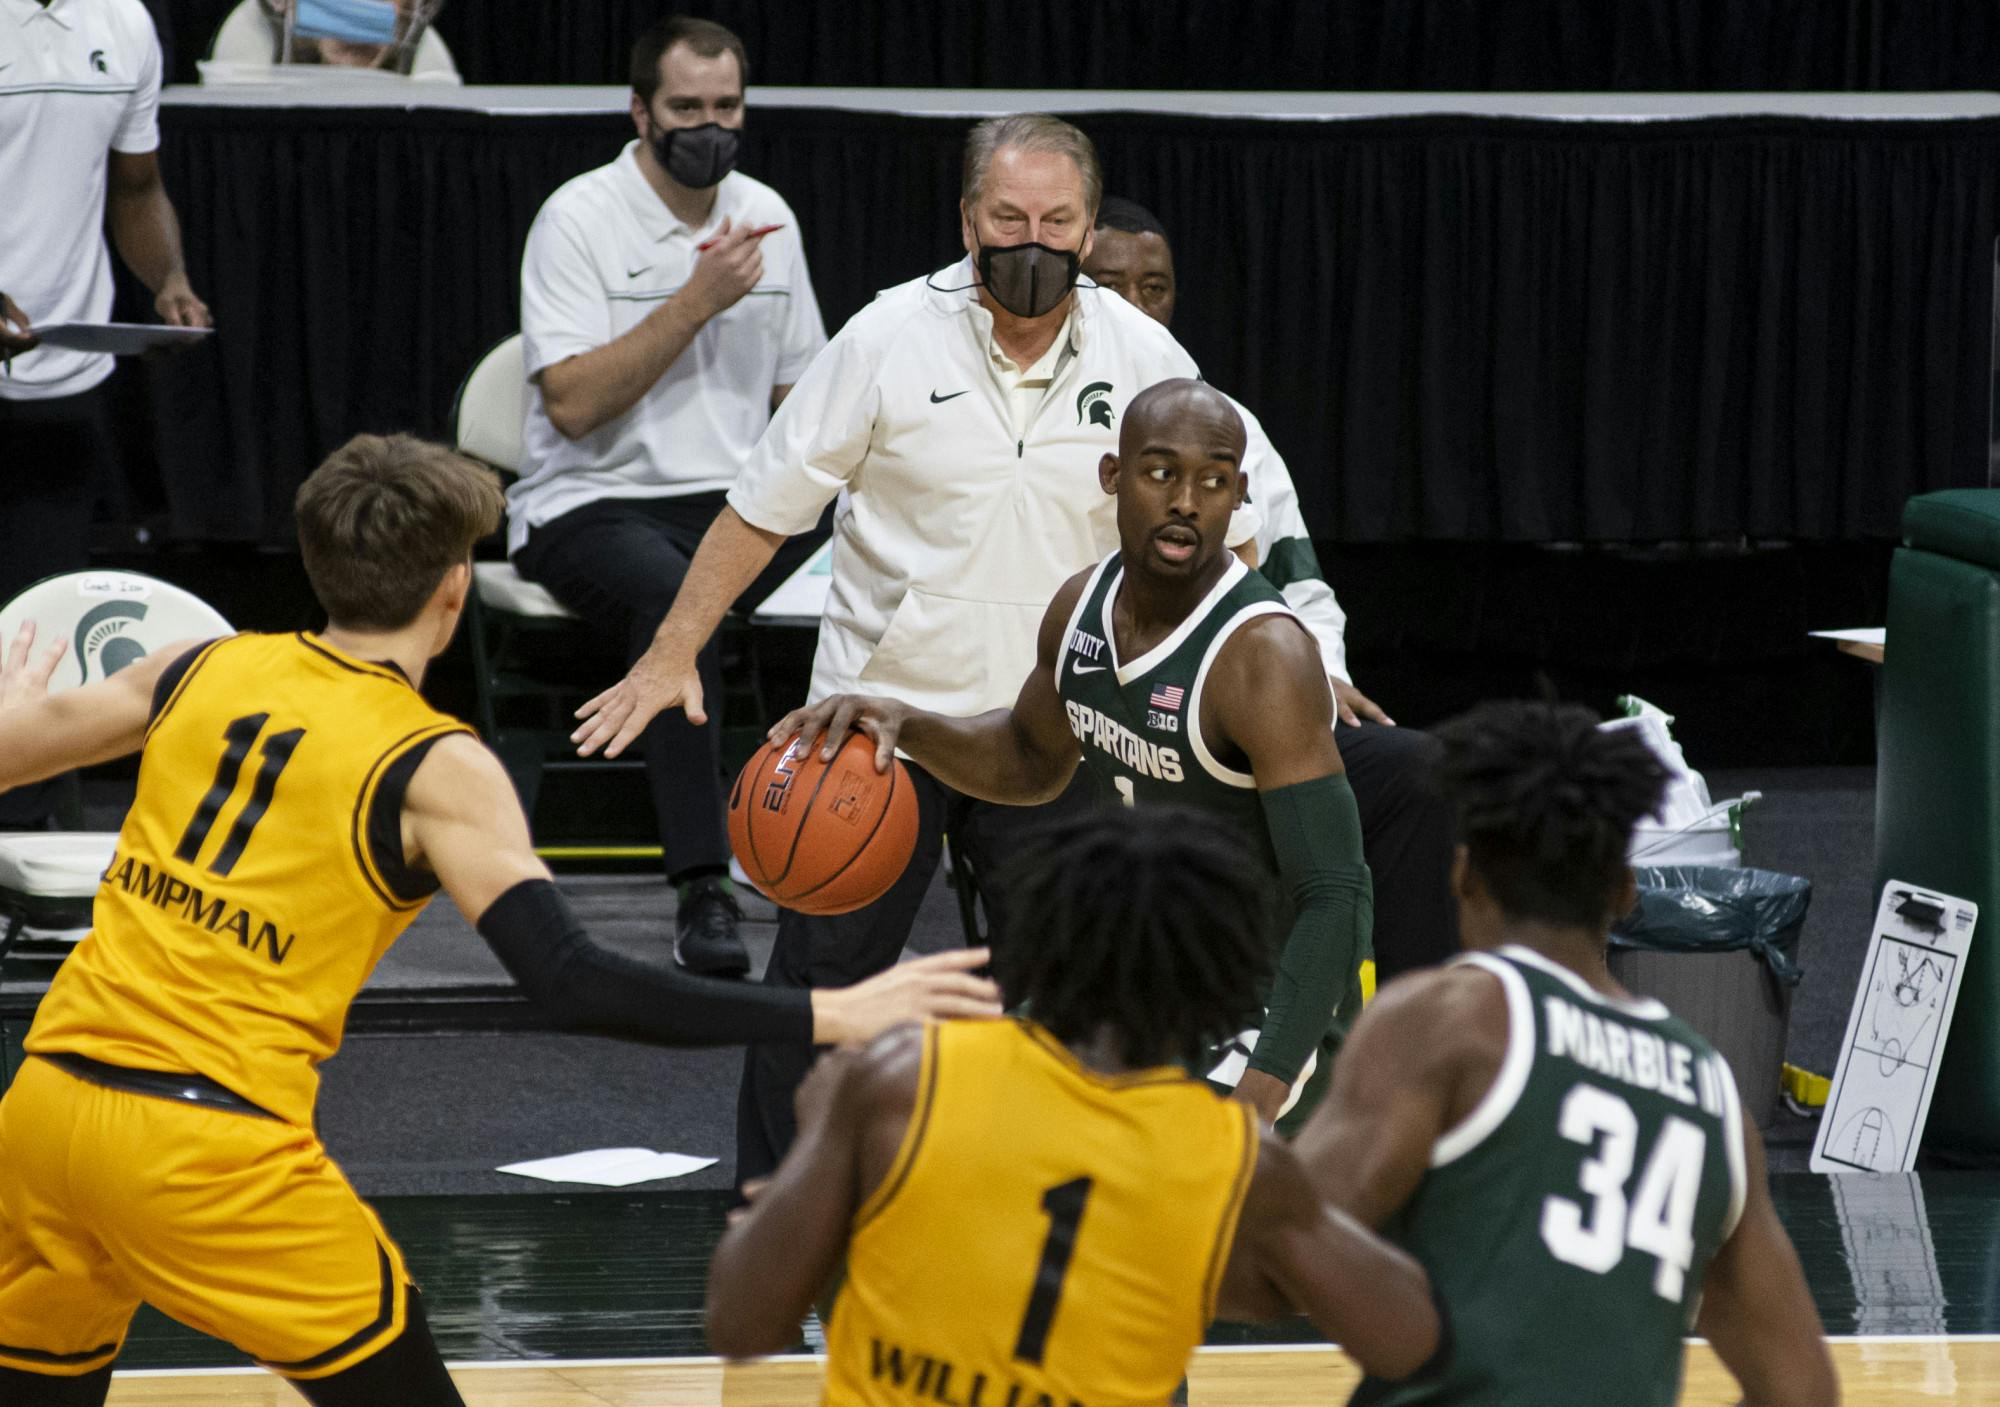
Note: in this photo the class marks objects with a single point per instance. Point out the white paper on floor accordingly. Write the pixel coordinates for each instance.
(610, 1167)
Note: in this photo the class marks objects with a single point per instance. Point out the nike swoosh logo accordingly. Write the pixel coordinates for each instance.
(936, 399)
(634, 273)
(1087, 668)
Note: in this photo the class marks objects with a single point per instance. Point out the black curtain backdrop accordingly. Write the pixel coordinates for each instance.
(1525, 45)
(1454, 329)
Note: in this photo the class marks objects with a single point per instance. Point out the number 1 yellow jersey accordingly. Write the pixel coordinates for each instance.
(1048, 1236)
(258, 877)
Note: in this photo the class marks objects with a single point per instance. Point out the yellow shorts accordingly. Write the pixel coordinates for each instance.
(238, 1226)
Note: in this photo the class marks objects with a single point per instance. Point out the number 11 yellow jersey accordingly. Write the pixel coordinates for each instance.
(258, 876)
(1047, 1237)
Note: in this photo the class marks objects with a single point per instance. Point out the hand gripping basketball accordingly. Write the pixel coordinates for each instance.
(822, 835)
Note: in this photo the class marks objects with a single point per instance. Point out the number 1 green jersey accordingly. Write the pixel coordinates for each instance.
(1568, 1220)
(1139, 721)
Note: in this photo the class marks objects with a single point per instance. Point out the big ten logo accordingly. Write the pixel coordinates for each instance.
(850, 796)
(785, 771)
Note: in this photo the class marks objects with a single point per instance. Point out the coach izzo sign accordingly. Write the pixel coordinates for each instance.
(1093, 404)
(105, 641)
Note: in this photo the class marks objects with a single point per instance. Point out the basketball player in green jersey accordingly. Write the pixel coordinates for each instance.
(1570, 1163)
(1177, 675)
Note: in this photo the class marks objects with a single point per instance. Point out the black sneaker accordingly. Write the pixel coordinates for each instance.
(705, 938)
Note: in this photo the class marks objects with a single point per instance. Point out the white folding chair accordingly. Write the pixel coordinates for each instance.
(107, 620)
(486, 423)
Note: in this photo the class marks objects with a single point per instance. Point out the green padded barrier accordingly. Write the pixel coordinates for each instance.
(1960, 523)
(1937, 805)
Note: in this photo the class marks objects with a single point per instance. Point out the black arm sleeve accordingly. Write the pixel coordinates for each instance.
(587, 987)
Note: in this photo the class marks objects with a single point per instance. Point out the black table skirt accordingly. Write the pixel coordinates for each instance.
(1454, 328)
(1642, 46)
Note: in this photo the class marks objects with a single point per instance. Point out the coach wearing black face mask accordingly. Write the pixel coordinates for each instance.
(963, 414)
(665, 312)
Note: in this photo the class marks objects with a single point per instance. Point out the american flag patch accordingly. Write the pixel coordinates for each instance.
(1168, 696)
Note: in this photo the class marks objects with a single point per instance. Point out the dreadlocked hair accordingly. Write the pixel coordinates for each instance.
(1546, 801)
(1152, 924)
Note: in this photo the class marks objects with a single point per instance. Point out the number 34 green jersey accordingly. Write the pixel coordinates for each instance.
(1568, 1220)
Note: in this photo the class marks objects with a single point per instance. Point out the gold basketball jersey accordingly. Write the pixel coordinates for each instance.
(259, 875)
(1047, 1237)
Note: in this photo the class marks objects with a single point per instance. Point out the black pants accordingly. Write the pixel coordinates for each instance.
(1407, 838)
(54, 453)
(840, 949)
(406, 1371)
(619, 563)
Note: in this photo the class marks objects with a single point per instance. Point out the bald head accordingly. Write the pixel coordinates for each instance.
(1178, 475)
(1181, 411)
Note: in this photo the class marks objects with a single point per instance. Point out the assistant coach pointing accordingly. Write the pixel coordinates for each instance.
(964, 414)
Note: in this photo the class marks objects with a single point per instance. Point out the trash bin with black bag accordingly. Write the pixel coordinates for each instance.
(1720, 948)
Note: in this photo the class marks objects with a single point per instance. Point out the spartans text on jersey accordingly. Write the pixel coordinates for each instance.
(1094, 729)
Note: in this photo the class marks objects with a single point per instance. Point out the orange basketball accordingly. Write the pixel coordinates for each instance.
(822, 837)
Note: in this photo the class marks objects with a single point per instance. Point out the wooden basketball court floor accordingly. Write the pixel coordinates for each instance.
(1874, 1373)
(594, 1300)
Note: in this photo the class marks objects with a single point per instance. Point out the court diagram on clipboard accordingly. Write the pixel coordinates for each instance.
(1895, 1033)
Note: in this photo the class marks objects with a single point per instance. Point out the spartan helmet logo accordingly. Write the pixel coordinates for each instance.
(97, 61)
(104, 642)
(1093, 403)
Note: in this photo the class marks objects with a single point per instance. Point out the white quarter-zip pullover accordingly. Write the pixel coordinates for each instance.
(959, 522)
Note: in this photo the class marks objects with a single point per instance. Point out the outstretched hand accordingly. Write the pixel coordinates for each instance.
(940, 987)
(833, 718)
(24, 676)
(616, 717)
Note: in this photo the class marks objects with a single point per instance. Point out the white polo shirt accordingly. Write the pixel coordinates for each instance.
(958, 524)
(79, 79)
(604, 252)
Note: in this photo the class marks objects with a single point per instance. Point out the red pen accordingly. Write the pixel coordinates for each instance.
(757, 233)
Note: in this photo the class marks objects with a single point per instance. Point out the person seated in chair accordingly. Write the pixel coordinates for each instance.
(384, 34)
(665, 311)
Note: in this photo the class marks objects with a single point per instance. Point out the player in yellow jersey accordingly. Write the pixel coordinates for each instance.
(298, 802)
(1047, 1212)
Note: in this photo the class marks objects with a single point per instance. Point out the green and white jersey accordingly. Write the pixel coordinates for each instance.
(1139, 721)
(1568, 1221)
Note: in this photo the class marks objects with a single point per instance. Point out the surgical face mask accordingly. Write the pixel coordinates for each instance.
(697, 157)
(1028, 280)
(355, 21)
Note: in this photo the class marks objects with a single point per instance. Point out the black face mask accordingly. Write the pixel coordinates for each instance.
(1028, 280)
(697, 157)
